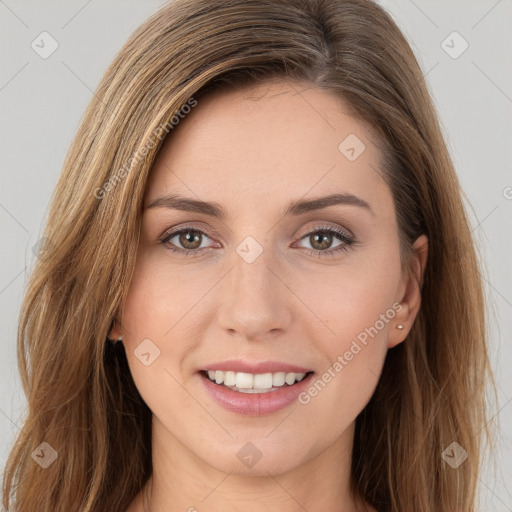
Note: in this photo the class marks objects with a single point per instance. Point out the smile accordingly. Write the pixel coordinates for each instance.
(253, 383)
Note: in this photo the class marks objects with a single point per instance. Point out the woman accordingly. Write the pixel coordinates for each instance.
(259, 290)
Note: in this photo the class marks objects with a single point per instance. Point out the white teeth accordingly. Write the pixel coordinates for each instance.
(263, 381)
(278, 378)
(229, 378)
(290, 378)
(243, 380)
(254, 383)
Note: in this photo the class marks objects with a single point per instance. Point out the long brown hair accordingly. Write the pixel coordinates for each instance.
(82, 400)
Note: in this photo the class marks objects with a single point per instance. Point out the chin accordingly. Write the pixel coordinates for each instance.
(254, 456)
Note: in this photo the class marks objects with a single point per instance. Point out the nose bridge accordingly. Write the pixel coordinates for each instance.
(254, 303)
(253, 278)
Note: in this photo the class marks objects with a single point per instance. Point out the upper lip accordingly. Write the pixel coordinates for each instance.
(255, 367)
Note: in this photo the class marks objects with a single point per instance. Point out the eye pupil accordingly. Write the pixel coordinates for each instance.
(324, 237)
(186, 239)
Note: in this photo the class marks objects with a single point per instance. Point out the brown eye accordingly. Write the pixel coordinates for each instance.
(321, 240)
(190, 239)
(185, 240)
(325, 241)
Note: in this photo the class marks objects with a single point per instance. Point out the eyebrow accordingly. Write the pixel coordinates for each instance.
(177, 202)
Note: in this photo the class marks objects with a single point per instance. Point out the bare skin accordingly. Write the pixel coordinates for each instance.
(252, 152)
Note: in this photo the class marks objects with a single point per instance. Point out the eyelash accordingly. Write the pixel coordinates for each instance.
(347, 240)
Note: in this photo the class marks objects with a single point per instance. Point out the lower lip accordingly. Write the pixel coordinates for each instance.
(255, 404)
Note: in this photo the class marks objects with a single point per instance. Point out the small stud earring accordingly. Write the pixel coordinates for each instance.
(400, 326)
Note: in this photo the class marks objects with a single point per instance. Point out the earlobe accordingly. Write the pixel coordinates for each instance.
(411, 299)
(400, 327)
(115, 332)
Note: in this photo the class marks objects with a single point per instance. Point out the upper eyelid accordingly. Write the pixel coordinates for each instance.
(334, 229)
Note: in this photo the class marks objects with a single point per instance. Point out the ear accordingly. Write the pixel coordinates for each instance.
(115, 332)
(410, 293)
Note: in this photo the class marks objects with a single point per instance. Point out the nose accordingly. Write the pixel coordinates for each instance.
(255, 302)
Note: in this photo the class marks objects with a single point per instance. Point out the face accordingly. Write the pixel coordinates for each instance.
(264, 280)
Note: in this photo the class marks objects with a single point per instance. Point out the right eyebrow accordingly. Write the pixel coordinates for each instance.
(177, 202)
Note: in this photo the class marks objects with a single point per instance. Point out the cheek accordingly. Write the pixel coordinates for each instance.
(356, 305)
(354, 296)
(354, 358)
(161, 325)
(161, 300)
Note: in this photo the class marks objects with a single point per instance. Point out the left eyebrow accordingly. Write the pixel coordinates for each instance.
(304, 206)
(177, 202)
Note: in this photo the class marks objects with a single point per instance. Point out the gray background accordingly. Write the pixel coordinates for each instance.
(42, 101)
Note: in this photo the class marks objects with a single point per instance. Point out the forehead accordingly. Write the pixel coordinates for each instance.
(275, 141)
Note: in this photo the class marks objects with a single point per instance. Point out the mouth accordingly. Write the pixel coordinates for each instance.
(254, 387)
(259, 383)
